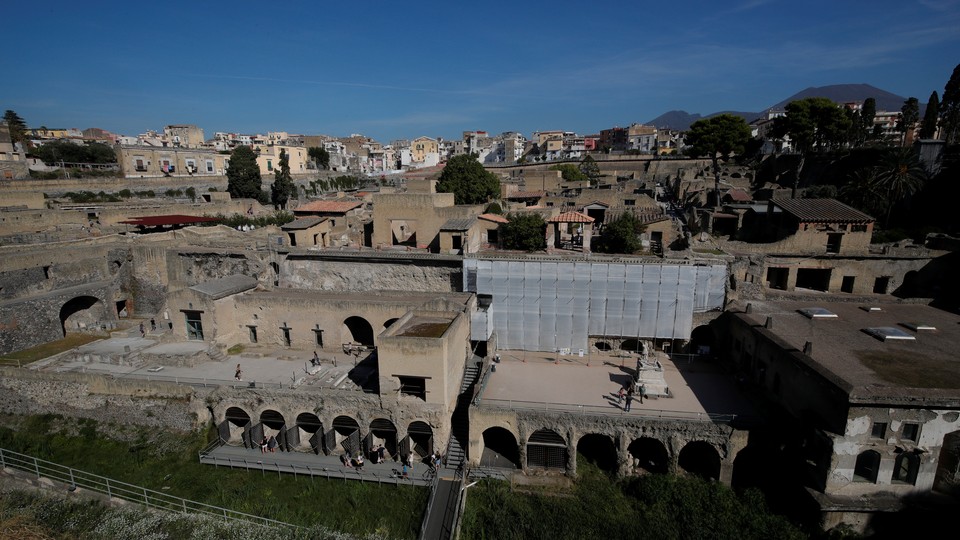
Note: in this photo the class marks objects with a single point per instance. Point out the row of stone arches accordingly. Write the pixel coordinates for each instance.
(343, 435)
(546, 449)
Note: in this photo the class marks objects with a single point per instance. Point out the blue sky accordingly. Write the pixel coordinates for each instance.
(404, 69)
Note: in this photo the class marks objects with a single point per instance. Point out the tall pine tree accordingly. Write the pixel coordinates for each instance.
(282, 187)
(908, 118)
(243, 174)
(950, 108)
(16, 125)
(928, 129)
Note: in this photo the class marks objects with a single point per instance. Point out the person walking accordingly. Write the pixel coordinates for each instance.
(620, 393)
(239, 374)
(143, 331)
(626, 407)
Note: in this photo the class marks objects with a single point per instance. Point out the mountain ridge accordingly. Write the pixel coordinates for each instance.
(840, 93)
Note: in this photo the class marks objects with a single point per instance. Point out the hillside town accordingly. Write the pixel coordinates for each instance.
(764, 302)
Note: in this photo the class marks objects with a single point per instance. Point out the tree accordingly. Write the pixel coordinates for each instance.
(928, 129)
(813, 123)
(899, 175)
(570, 172)
(718, 137)
(524, 231)
(320, 156)
(621, 235)
(590, 169)
(282, 188)
(469, 182)
(243, 174)
(55, 152)
(868, 114)
(16, 125)
(950, 108)
(908, 117)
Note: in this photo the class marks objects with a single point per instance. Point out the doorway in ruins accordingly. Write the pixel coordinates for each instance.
(403, 232)
(82, 313)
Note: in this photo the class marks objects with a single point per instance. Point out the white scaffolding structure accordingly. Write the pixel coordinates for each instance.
(548, 305)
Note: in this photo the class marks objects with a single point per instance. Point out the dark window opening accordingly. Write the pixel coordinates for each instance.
(318, 336)
(868, 464)
(833, 242)
(847, 284)
(813, 278)
(457, 242)
(253, 334)
(777, 278)
(879, 430)
(46, 272)
(493, 236)
(905, 468)
(880, 285)
(286, 335)
(194, 325)
(911, 432)
(413, 386)
(293, 239)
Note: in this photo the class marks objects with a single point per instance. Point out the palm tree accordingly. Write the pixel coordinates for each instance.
(899, 175)
(860, 190)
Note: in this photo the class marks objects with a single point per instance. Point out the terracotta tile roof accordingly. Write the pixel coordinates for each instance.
(526, 195)
(156, 221)
(332, 207)
(458, 224)
(738, 195)
(571, 217)
(494, 218)
(822, 211)
(303, 223)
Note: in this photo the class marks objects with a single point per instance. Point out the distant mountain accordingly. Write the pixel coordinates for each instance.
(840, 93)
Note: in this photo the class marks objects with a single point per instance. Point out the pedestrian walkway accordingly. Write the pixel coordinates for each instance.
(303, 463)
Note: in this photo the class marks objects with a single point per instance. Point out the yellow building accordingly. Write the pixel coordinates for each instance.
(424, 149)
(268, 158)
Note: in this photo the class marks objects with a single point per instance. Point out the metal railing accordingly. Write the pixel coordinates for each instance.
(115, 489)
(719, 418)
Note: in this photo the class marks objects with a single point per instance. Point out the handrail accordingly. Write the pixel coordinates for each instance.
(606, 410)
(319, 471)
(116, 489)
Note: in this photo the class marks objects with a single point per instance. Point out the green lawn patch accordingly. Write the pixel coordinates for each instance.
(26, 356)
(168, 462)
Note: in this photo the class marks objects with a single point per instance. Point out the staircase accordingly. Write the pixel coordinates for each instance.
(215, 354)
(460, 420)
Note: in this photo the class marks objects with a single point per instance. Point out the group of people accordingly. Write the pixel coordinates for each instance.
(352, 463)
(268, 444)
(628, 392)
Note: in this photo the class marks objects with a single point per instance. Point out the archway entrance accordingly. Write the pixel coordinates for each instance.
(388, 323)
(701, 459)
(547, 449)
(309, 433)
(500, 449)
(273, 424)
(649, 455)
(359, 331)
(346, 435)
(701, 340)
(419, 440)
(81, 313)
(236, 427)
(382, 432)
(599, 450)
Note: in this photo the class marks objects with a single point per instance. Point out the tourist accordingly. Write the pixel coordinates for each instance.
(272, 444)
(153, 325)
(143, 331)
(437, 460)
(346, 461)
(381, 454)
(626, 408)
(263, 445)
(239, 374)
(622, 392)
(406, 470)
(316, 359)
(359, 463)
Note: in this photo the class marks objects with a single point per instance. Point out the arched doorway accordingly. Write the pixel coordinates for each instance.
(382, 432)
(236, 427)
(500, 449)
(752, 467)
(388, 323)
(603, 346)
(702, 340)
(632, 345)
(419, 440)
(547, 449)
(346, 435)
(309, 433)
(701, 459)
(867, 467)
(81, 313)
(599, 450)
(358, 330)
(649, 455)
(273, 424)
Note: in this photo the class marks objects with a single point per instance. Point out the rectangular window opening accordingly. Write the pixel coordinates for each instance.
(879, 430)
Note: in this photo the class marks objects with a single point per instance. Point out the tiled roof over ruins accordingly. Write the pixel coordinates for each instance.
(822, 211)
(332, 207)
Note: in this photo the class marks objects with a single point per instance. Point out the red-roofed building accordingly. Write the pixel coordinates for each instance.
(570, 231)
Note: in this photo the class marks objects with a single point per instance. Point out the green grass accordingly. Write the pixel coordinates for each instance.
(236, 349)
(653, 506)
(47, 350)
(168, 462)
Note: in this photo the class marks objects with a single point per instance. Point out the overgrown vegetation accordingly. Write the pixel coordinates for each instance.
(74, 172)
(524, 231)
(570, 172)
(653, 506)
(621, 235)
(55, 152)
(40, 516)
(340, 183)
(277, 218)
(167, 461)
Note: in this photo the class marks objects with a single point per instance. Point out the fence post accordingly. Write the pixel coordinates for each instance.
(36, 467)
(146, 498)
(109, 495)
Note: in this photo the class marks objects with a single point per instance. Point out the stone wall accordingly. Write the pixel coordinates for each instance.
(106, 400)
(328, 274)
